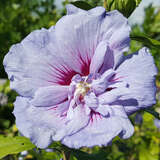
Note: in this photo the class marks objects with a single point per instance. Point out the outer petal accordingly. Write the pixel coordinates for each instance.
(71, 9)
(101, 131)
(86, 29)
(50, 96)
(36, 63)
(79, 121)
(127, 128)
(78, 34)
(138, 71)
(38, 124)
(43, 125)
(116, 30)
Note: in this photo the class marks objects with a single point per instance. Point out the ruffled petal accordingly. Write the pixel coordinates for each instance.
(71, 9)
(35, 63)
(50, 96)
(101, 130)
(138, 71)
(100, 84)
(86, 30)
(78, 121)
(42, 123)
(113, 95)
(108, 61)
(98, 58)
(111, 27)
(116, 30)
(91, 100)
(127, 127)
(78, 34)
(104, 110)
(38, 124)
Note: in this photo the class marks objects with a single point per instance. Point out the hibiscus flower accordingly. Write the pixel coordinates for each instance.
(74, 83)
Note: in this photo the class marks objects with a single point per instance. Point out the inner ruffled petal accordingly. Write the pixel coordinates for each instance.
(95, 94)
(100, 85)
(50, 96)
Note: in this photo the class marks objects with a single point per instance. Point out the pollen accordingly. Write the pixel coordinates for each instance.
(82, 88)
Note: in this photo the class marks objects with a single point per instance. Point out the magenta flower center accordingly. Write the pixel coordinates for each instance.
(86, 91)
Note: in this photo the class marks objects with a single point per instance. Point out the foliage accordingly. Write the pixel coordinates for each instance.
(12, 145)
(18, 18)
(147, 41)
(92, 3)
(126, 7)
(81, 4)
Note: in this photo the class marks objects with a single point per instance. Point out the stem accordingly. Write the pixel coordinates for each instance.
(104, 4)
(66, 155)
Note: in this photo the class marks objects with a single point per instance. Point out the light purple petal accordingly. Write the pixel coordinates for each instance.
(51, 123)
(78, 34)
(104, 110)
(35, 63)
(86, 30)
(98, 58)
(71, 9)
(97, 11)
(78, 121)
(111, 27)
(91, 100)
(116, 30)
(100, 132)
(138, 71)
(108, 62)
(50, 96)
(126, 125)
(100, 84)
(35, 123)
(113, 95)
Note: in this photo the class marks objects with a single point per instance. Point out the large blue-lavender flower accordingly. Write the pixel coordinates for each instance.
(74, 82)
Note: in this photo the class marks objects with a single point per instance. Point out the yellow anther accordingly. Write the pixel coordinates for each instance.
(82, 88)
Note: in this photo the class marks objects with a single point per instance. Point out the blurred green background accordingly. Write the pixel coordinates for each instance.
(17, 19)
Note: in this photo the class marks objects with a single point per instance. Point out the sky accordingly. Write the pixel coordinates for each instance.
(137, 16)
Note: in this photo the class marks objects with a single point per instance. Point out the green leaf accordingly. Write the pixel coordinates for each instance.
(154, 113)
(82, 5)
(145, 155)
(138, 2)
(126, 7)
(147, 41)
(101, 155)
(14, 145)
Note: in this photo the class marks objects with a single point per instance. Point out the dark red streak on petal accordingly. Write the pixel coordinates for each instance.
(94, 116)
